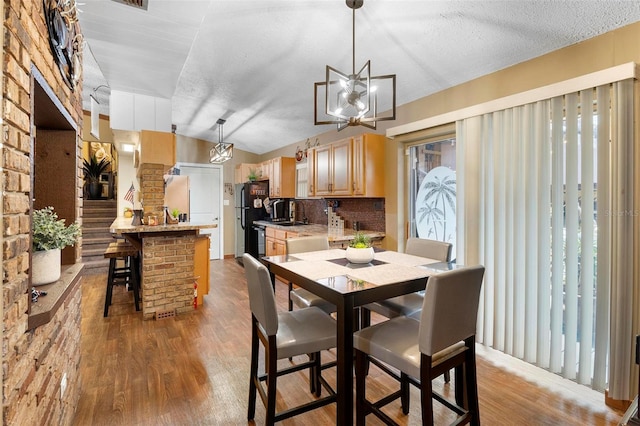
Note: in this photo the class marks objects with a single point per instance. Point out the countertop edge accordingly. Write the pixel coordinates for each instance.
(123, 225)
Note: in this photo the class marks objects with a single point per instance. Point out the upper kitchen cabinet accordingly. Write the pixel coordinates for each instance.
(157, 148)
(348, 167)
(332, 165)
(368, 165)
(244, 170)
(282, 177)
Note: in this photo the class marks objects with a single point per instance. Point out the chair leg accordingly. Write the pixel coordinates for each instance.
(107, 297)
(291, 309)
(460, 388)
(312, 373)
(471, 383)
(404, 393)
(253, 376)
(447, 376)
(271, 363)
(135, 281)
(361, 375)
(426, 390)
(317, 373)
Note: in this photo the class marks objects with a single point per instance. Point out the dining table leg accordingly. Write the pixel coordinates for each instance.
(345, 329)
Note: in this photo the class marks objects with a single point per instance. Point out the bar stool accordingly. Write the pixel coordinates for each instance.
(127, 274)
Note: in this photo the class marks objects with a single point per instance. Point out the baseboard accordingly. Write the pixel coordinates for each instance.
(229, 256)
(616, 404)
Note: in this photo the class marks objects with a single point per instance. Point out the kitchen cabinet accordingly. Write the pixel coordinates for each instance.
(282, 177)
(302, 180)
(201, 266)
(243, 170)
(349, 167)
(265, 170)
(332, 168)
(368, 165)
(157, 148)
(275, 241)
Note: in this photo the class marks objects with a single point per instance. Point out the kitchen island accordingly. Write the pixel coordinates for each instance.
(168, 254)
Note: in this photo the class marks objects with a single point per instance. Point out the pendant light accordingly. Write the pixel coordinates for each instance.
(221, 151)
(355, 99)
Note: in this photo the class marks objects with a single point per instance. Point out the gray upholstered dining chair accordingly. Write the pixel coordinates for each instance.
(300, 297)
(410, 303)
(283, 335)
(443, 337)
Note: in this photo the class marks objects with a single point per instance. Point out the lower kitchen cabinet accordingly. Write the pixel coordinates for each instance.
(202, 266)
(275, 241)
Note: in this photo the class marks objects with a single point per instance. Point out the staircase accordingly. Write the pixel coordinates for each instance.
(97, 217)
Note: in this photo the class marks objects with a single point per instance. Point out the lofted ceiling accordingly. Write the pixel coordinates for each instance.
(254, 63)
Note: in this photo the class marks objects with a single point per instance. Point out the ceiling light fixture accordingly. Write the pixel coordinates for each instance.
(355, 99)
(221, 151)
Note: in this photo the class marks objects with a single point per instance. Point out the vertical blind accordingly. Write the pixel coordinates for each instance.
(544, 202)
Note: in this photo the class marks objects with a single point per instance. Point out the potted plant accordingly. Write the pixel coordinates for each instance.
(93, 169)
(360, 250)
(174, 217)
(49, 236)
(253, 175)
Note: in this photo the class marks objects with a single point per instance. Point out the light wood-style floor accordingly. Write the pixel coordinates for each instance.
(193, 370)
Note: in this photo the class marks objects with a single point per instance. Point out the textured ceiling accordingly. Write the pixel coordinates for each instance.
(254, 62)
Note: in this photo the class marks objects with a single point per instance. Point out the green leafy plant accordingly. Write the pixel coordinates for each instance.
(49, 232)
(93, 168)
(360, 240)
(253, 175)
(175, 213)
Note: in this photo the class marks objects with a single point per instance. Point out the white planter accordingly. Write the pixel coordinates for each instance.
(45, 266)
(359, 255)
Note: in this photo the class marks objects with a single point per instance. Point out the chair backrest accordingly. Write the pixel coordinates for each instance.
(304, 244)
(432, 249)
(261, 298)
(450, 308)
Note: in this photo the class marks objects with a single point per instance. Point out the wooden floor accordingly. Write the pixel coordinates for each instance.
(193, 370)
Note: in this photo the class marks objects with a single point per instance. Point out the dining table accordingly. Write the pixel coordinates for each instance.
(328, 274)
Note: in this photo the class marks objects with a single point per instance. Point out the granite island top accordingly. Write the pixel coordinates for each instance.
(317, 229)
(122, 225)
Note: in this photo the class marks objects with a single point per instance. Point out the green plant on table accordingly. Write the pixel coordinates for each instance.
(360, 240)
(50, 233)
(175, 213)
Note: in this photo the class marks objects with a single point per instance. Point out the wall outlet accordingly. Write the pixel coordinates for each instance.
(63, 385)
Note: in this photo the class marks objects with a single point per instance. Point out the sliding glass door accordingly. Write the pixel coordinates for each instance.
(432, 190)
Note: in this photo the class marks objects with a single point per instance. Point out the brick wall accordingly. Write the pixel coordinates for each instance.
(33, 362)
(35, 369)
(167, 274)
(152, 189)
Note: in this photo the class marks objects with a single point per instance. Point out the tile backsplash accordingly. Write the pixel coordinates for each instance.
(368, 211)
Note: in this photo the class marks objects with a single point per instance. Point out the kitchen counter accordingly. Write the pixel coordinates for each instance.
(316, 229)
(168, 254)
(122, 225)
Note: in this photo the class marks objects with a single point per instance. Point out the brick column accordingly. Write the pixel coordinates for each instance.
(152, 189)
(167, 275)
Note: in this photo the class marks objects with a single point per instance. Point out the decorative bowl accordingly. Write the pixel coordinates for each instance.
(360, 255)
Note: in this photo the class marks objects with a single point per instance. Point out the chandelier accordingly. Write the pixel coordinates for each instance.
(221, 151)
(355, 99)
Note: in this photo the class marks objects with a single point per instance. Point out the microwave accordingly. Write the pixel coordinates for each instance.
(280, 211)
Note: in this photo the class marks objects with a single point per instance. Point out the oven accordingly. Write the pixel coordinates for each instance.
(262, 240)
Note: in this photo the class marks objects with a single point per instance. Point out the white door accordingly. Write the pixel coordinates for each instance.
(205, 200)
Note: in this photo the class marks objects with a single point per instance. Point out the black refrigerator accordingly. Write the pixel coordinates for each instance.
(250, 207)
